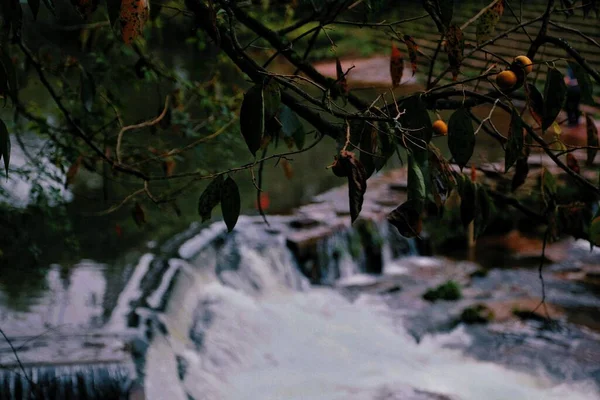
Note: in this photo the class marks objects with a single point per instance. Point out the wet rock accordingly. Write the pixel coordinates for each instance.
(301, 223)
(182, 366)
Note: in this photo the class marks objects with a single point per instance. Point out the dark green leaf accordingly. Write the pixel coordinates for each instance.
(595, 231)
(555, 92)
(210, 198)
(365, 136)
(585, 83)
(521, 172)
(407, 219)
(592, 139)
(252, 118)
(416, 119)
(416, 183)
(549, 186)
(535, 101)
(138, 214)
(34, 5)
(11, 74)
(291, 126)
(514, 147)
(4, 146)
(114, 8)
(461, 137)
(485, 208)
(272, 97)
(230, 203)
(468, 202)
(387, 145)
(446, 11)
(88, 89)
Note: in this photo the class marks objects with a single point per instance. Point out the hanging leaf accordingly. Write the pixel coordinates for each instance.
(485, 208)
(407, 219)
(417, 122)
(85, 8)
(461, 137)
(114, 9)
(584, 82)
(549, 186)
(4, 146)
(572, 163)
(535, 102)
(416, 184)
(486, 23)
(272, 98)
(138, 214)
(413, 51)
(341, 77)
(521, 172)
(133, 16)
(210, 198)
(348, 165)
(230, 203)
(252, 118)
(169, 166)
(34, 5)
(288, 171)
(387, 145)
(11, 75)
(87, 89)
(396, 66)
(72, 171)
(555, 92)
(365, 136)
(455, 48)
(291, 126)
(468, 201)
(592, 139)
(595, 231)
(446, 8)
(514, 147)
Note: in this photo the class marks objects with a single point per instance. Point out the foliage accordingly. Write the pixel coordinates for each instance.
(449, 291)
(118, 107)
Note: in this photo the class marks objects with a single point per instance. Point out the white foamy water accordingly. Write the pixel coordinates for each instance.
(316, 345)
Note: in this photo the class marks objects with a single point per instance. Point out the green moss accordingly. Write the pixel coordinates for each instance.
(449, 290)
(477, 314)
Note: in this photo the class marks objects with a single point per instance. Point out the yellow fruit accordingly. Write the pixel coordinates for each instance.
(440, 127)
(506, 79)
(525, 63)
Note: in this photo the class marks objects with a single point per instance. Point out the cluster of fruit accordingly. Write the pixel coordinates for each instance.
(506, 80)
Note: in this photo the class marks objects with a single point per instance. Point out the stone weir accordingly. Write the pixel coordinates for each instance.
(109, 362)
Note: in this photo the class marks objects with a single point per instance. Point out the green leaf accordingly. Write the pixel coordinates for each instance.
(461, 137)
(446, 11)
(34, 5)
(357, 186)
(592, 139)
(595, 231)
(514, 147)
(4, 145)
(555, 92)
(416, 119)
(485, 208)
(407, 219)
(230, 203)
(11, 75)
(252, 118)
(535, 101)
(585, 83)
(468, 202)
(114, 9)
(272, 96)
(291, 126)
(210, 198)
(416, 183)
(87, 89)
(486, 23)
(387, 145)
(521, 172)
(549, 186)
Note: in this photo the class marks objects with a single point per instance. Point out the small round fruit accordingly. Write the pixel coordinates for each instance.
(506, 79)
(525, 63)
(440, 127)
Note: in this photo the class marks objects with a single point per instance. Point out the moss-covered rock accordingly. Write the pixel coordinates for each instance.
(449, 290)
(477, 314)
